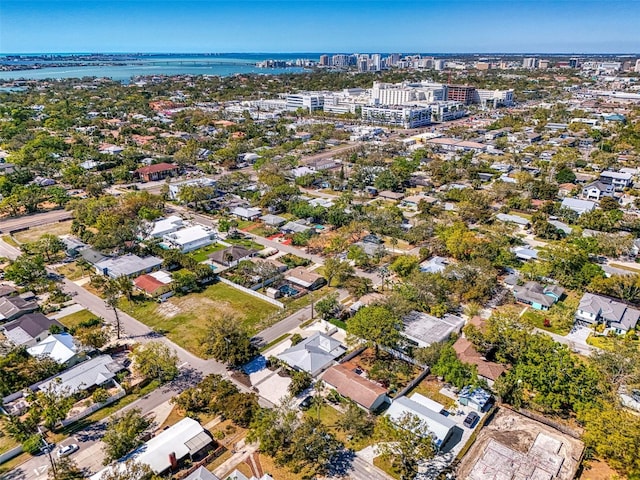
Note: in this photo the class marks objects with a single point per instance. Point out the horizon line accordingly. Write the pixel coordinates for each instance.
(631, 54)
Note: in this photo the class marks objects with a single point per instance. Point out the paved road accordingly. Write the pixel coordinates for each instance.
(11, 224)
(8, 251)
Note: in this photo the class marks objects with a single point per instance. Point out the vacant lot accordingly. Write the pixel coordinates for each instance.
(75, 319)
(33, 234)
(73, 271)
(184, 319)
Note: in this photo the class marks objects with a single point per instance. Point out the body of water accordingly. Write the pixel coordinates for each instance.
(148, 65)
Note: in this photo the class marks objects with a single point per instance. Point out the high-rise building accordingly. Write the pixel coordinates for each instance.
(340, 60)
(439, 64)
(461, 93)
(637, 68)
(393, 59)
(529, 62)
(483, 65)
(363, 63)
(376, 62)
(324, 61)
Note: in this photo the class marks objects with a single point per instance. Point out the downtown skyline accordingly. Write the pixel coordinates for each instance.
(192, 26)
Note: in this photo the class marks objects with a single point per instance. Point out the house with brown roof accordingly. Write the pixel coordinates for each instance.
(304, 278)
(158, 171)
(467, 353)
(231, 256)
(362, 391)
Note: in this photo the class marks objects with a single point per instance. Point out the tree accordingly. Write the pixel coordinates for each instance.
(312, 448)
(93, 337)
(356, 422)
(47, 245)
(609, 203)
(66, 469)
(227, 340)
(453, 370)
(156, 361)
(51, 404)
(377, 325)
(328, 306)
(620, 366)
(405, 265)
(300, 381)
(407, 443)
(185, 281)
(124, 433)
(130, 470)
(27, 270)
(338, 269)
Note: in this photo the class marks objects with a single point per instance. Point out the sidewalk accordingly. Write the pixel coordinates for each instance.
(243, 452)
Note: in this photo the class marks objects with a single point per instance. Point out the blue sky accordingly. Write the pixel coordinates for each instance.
(571, 26)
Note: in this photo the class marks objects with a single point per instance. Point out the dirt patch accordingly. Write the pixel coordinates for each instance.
(599, 470)
(504, 446)
(168, 310)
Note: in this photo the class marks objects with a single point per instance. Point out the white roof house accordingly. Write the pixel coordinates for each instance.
(189, 238)
(163, 226)
(425, 329)
(60, 347)
(313, 354)
(246, 213)
(85, 375)
(427, 411)
(186, 437)
(127, 265)
(578, 206)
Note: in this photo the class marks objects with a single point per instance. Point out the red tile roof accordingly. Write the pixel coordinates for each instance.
(158, 167)
(467, 353)
(148, 283)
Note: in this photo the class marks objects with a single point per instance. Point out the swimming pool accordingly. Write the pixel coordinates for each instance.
(288, 291)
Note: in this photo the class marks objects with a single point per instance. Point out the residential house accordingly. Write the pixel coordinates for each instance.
(128, 265)
(231, 256)
(246, 213)
(92, 256)
(389, 195)
(298, 226)
(175, 188)
(164, 226)
(189, 238)
(578, 206)
(185, 439)
(304, 278)
(475, 397)
(14, 307)
(155, 285)
(517, 219)
(95, 372)
(314, 354)
(7, 290)
(619, 180)
(422, 329)
(467, 353)
(597, 309)
(201, 473)
(273, 220)
(60, 347)
(434, 265)
(72, 245)
(429, 412)
(365, 393)
(29, 329)
(158, 171)
(597, 190)
(525, 253)
(539, 297)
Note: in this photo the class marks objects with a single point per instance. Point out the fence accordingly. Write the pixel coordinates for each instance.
(9, 454)
(413, 383)
(93, 408)
(253, 293)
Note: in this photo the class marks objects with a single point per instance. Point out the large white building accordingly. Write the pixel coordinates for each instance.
(306, 101)
(405, 117)
(494, 98)
(189, 238)
(529, 62)
(406, 93)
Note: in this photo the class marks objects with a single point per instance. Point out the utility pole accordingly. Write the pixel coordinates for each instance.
(47, 448)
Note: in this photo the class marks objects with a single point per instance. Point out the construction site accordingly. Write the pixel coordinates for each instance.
(514, 447)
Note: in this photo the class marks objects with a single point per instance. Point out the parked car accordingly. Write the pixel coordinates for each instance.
(471, 420)
(68, 450)
(306, 403)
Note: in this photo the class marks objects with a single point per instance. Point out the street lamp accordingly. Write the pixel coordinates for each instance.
(47, 448)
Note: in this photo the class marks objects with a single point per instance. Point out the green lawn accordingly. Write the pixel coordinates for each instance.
(431, 389)
(560, 317)
(608, 343)
(7, 443)
(10, 240)
(245, 242)
(72, 271)
(184, 319)
(329, 416)
(73, 320)
(202, 254)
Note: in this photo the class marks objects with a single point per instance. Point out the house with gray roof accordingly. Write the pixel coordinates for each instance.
(597, 309)
(423, 329)
(231, 256)
(273, 220)
(434, 265)
(578, 206)
(314, 354)
(517, 219)
(597, 190)
(128, 265)
(539, 297)
(29, 329)
(14, 307)
(95, 372)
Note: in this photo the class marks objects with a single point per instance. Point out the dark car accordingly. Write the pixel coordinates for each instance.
(306, 403)
(471, 420)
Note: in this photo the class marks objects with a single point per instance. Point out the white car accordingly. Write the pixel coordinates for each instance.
(68, 450)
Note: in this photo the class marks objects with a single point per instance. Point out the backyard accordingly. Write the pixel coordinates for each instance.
(558, 319)
(202, 254)
(75, 319)
(184, 319)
